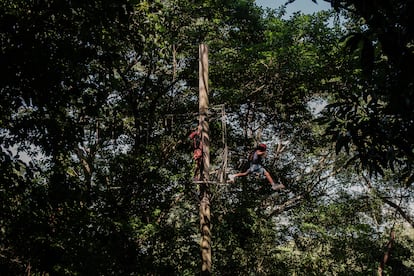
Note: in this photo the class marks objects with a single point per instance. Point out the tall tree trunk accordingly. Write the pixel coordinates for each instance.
(205, 223)
(387, 254)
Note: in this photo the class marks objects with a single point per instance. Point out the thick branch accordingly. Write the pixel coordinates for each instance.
(399, 210)
(287, 205)
(397, 207)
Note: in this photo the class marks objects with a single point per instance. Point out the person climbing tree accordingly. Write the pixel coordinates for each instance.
(256, 167)
(198, 151)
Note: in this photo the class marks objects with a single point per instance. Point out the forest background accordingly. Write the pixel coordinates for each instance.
(98, 99)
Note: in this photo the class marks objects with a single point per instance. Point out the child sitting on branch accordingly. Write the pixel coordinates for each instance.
(256, 166)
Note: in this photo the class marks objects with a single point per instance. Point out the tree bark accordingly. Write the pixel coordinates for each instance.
(387, 254)
(205, 223)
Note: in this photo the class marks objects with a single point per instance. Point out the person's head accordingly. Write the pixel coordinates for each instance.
(262, 147)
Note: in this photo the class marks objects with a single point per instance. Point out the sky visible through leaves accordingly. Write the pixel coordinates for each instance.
(305, 6)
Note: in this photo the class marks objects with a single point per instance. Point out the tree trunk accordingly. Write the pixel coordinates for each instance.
(387, 254)
(205, 224)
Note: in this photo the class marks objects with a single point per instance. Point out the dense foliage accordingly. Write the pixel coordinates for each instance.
(374, 115)
(97, 99)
